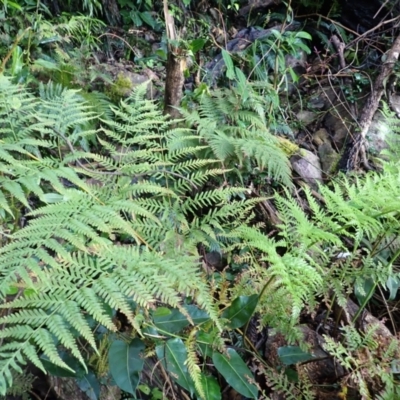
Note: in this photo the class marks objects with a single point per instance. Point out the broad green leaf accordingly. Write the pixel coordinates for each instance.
(136, 18)
(148, 18)
(89, 385)
(198, 316)
(241, 310)
(230, 71)
(162, 54)
(211, 387)
(293, 355)
(126, 363)
(196, 44)
(175, 321)
(173, 355)
(364, 290)
(205, 341)
(303, 35)
(144, 389)
(393, 286)
(236, 373)
(161, 312)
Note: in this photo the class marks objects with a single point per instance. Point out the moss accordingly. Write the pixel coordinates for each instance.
(287, 146)
(121, 88)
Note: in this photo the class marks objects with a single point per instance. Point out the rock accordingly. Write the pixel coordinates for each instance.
(308, 166)
(327, 155)
(378, 133)
(306, 117)
(338, 121)
(135, 80)
(214, 260)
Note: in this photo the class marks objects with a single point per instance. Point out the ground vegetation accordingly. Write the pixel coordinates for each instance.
(199, 199)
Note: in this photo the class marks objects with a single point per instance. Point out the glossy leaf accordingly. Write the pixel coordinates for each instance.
(126, 363)
(236, 373)
(211, 387)
(198, 316)
(292, 355)
(241, 310)
(173, 355)
(196, 44)
(175, 321)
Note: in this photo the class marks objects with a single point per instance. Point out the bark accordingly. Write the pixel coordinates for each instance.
(173, 85)
(175, 65)
(112, 13)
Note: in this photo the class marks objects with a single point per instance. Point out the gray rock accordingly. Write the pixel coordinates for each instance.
(306, 117)
(378, 133)
(136, 80)
(308, 166)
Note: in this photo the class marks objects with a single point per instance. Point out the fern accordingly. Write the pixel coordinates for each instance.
(367, 366)
(234, 127)
(192, 364)
(126, 227)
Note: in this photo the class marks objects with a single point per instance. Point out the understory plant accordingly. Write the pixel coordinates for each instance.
(103, 220)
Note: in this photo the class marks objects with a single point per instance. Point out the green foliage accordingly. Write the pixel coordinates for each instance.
(137, 193)
(368, 367)
(139, 12)
(120, 88)
(116, 231)
(233, 124)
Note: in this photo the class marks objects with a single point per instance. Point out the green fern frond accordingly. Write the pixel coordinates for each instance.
(192, 363)
(237, 134)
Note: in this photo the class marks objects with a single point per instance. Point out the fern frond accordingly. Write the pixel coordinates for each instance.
(237, 134)
(192, 363)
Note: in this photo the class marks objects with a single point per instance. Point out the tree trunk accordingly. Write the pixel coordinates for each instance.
(111, 11)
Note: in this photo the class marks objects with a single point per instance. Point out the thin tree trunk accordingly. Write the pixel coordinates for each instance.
(174, 78)
(112, 13)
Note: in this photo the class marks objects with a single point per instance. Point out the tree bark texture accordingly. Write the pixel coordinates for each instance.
(112, 13)
(173, 85)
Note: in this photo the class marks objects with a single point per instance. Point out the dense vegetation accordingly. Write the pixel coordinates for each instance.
(158, 240)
